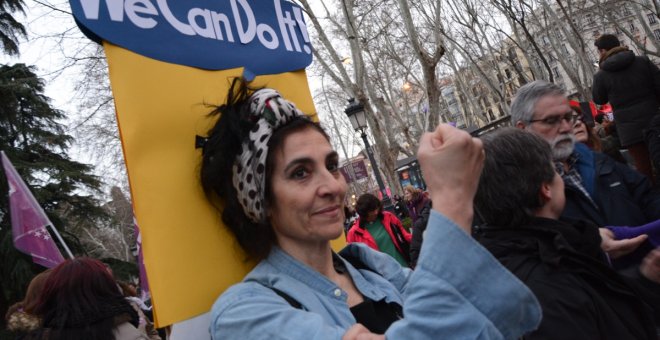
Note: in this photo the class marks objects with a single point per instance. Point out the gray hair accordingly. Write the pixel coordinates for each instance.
(522, 107)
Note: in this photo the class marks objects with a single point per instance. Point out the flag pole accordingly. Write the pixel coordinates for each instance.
(59, 238)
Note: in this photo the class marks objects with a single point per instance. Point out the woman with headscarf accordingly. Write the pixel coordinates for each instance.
(276, 177)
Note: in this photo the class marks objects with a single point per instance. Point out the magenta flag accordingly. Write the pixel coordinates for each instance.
(144, 283)
(29, 221)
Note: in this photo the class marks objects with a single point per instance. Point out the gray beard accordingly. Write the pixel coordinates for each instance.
(563, 146)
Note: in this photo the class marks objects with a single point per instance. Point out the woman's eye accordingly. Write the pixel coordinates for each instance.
(333, 167)
(299, 173)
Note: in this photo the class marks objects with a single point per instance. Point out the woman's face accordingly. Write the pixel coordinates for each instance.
(307, 190)
(407, 195)
(373, 215)
(580, 131)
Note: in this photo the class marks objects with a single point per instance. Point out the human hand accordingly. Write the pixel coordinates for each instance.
(617, 248)
(451, 161)
(359, 332)
(650, 266)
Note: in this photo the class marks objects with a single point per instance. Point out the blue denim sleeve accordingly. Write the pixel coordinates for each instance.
(460, 291)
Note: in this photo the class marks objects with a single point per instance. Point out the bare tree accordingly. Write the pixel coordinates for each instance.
(428, 51)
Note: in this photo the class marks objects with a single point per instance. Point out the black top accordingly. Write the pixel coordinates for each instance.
(376, 316)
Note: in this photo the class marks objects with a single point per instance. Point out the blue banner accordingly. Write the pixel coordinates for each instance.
(264, 36)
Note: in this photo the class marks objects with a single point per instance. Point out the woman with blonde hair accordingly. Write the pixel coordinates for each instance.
(20, 316)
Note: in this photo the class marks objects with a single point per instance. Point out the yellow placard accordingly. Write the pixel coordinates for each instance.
(189, 256)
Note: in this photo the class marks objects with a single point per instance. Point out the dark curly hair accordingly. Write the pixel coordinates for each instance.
(218, 156)
(367, 203)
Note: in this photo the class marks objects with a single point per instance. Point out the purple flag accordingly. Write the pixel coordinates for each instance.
(144, 283)
(29, 222)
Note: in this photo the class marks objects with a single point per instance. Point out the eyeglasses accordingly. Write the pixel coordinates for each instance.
(570, 118)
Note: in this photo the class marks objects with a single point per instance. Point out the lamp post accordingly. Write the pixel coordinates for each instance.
(355, 113)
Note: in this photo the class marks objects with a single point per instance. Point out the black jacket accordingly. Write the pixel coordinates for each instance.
(581, 296)
(653, 141)
(623, 196)
(632, 85)
(418, 232)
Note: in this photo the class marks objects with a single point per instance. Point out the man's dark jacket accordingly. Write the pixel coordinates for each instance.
(632, 85)
(623, 196)
(581, 296)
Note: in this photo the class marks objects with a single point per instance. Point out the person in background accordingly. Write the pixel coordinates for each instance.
(277, 176)
(419, 226)
(81, 300)
(520, 198)
(349, 218)
(20, 316)
(416, 200)
(400, 208)
(380, 230)
(584, 133)
(597, 188)
(653, 141)
(605, 129)
(145, 326)
(631, 84)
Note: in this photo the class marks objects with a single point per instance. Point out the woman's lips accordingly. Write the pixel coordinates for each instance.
(328, 210)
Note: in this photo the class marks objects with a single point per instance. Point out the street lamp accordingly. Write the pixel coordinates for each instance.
(355, 113)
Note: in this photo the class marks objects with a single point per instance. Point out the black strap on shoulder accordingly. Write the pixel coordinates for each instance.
(354, 260)
(293, 302)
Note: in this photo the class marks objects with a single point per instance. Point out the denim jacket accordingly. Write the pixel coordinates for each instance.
(457, 291)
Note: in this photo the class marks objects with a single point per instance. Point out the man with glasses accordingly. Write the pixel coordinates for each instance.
(597, 188)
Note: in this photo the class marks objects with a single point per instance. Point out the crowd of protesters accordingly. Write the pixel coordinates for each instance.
(541, 230)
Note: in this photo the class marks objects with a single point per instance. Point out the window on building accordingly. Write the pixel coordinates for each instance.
(557, 33)
(656, 34)
(555, 71)
(625, 11)
(546, 40)
(652, 18)
(507, 73)
(589, 19)
(512, 54)
(631, 26)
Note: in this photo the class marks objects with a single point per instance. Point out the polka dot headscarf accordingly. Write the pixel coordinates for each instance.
(269, 111)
